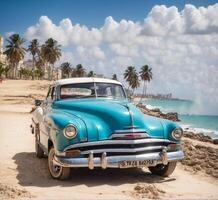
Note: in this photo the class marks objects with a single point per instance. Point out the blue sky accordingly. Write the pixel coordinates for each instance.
(177, 39)
(17, 15)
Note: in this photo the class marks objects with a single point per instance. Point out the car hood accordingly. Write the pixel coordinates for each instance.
(103, 117)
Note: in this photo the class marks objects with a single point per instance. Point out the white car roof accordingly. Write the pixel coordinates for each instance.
(85, 80)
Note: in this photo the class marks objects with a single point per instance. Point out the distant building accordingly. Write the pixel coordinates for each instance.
(57, 73)
(3, 58)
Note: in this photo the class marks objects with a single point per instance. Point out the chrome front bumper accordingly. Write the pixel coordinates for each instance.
(105, 161)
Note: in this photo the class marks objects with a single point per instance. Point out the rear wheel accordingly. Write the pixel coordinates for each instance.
(56, 171)
(163, 170)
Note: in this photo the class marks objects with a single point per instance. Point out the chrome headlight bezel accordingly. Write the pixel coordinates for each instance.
(70, 131)
(177, 133)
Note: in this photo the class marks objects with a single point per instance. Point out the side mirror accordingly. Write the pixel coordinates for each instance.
(38, 102)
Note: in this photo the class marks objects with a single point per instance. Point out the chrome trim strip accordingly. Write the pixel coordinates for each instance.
(113, 161)
(123, 150)
(103, 142)
(131, 116)
(123, 135)
(133, 130)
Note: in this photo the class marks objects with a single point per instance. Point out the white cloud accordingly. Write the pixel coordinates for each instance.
(180, 46)
(164, 21)
(8, 34)
(66, 33)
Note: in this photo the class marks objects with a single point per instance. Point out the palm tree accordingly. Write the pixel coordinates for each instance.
(25, 73)
(34, 49)
(114, 77)
(2, 70)
(40, 62)
(6, 70)
(39, 73)
(22, 72)
(66, 70)
(129, 73)
(79, 71)
(134, 82)
(50, 53)
(91, 74)
(146, 75)
(15, 52)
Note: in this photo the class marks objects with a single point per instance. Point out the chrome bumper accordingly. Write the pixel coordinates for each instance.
(114, 161)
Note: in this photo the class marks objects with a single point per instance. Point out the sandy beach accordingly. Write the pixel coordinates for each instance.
(25, 176)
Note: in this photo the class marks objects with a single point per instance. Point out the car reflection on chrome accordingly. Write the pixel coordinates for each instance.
(89, 122)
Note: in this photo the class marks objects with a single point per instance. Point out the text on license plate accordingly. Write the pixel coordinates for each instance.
(136, 163)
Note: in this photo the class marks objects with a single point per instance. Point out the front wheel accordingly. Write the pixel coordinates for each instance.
(56, 171)
(163, 170)
(39, 151)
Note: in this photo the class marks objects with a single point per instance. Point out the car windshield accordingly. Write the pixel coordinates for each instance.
(86, 90)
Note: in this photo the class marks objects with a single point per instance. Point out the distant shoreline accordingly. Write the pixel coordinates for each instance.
(136, 98)
(191, 122)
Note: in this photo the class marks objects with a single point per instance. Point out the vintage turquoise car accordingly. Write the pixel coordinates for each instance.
(89, 122)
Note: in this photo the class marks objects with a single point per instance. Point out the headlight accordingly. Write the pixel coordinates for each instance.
(70, 131)
(177, 133)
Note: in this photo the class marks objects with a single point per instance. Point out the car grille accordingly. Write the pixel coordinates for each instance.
(121, 147)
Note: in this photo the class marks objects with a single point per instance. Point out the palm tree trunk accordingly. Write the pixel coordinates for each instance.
(145, 89)
(33, 67)
(14, 71)
(49, 71)
(45, 69)
(57, 74)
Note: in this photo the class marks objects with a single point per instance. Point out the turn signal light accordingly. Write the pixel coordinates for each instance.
(173, 146)
(73, 153)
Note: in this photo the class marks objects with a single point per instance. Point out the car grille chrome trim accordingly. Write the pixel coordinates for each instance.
(118, 142)
(123, 150)
(132, 130)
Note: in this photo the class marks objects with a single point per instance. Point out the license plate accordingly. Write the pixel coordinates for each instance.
(136, 163)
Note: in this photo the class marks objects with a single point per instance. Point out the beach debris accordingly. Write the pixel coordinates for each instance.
(215, 141)
(13, 192)
(200, 137)
(200, 157)
(147, 191)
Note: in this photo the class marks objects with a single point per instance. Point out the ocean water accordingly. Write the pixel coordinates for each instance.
(207, 124)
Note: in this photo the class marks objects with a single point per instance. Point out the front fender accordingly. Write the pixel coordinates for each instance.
(58, 121)
(168, 127)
